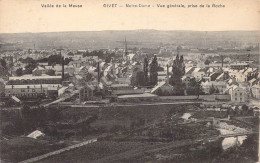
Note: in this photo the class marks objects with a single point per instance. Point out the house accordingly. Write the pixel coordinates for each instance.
(2, 87)
(132, 57)
(163, 88)
(106, 83)
(223, 76)
(76, 64)
(93, 71)
(52, 91)
(123, 89)
(38, 71)
(241, 77)
(62, 90)
(252, 82)
(43, 63)
(239, 66)
(123, 80)
(83, 70)
(29, 79)
(238, 94)
(137, 98)
(190, 64)
(68, 69)
(198, 73)
(256, 91)
(220, 85)
(78, 80)
(86, 93)
(186, 80)
(31, 91)
(188, 70)
(232, 81)
(161, 76)
(213, 76)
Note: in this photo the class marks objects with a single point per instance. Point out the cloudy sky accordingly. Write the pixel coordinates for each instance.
(17, 16)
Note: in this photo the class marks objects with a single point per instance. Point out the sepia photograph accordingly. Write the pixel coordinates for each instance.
(127, 81)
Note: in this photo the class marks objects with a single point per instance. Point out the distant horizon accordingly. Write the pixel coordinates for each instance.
(133, 30)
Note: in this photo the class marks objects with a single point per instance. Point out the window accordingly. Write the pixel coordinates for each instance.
(235, 99)
(235, 94)
(33, 90)
(240, 94)
(240, 99)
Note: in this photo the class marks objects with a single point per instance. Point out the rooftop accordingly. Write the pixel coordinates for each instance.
(30, 77)
(137, 96)
(32, 86)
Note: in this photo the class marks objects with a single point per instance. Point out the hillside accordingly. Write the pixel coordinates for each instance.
(135, 38)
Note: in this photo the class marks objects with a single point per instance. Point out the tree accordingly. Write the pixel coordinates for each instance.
(54, 59)
(27, 60)
(50, 72)
(154, 71)
(212, 89)
(67, 61)
(70, 54)
(217, 91)
(146, 70)
(19, 72)
(245, 109)
(194, 87)
(108, 59)
(140, 81)
(178, 70)
(30, 67)
(207, 62)
(88, 77)
(137, 79)
(3, 62)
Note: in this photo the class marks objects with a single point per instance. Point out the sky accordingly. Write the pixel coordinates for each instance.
(20, 16)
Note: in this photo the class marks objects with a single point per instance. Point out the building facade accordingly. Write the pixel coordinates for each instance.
(40, 90)
(31, 80)
(238, 95)
(256, 91)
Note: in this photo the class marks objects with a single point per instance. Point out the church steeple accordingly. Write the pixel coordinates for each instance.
(125, 51)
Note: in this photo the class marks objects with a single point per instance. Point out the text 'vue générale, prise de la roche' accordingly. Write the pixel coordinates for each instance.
(127, 5)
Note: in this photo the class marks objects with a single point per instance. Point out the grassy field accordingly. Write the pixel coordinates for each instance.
(22, 148)
(135, 134)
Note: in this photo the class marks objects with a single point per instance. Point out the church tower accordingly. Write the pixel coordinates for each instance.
(125, 51)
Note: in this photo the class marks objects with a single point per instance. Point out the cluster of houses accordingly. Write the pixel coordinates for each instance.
(239, 80)
(93, 78)
(90, 76)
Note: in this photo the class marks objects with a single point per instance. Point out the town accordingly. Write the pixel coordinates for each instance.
(169, 102)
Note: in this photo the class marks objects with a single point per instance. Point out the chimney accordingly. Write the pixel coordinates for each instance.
(98, 73)
(167, 75)
(62, 68)
(222, 60)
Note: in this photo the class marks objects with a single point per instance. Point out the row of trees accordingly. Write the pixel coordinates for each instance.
(27, 69)
(143, 77)
(55, 59)
(149, 77)
(178, 70)
(31, 64)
